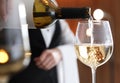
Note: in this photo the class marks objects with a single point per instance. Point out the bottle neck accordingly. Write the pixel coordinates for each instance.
(66, 13)
(73, 13)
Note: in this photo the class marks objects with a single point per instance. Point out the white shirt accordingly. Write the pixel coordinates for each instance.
(47, 34)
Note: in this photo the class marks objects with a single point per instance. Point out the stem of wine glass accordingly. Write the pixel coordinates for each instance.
(4, 79)
(93, 70)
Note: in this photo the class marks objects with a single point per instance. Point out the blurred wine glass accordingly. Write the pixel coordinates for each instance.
(14, 40)
(94, 44)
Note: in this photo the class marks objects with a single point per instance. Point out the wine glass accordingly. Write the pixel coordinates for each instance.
(14, 40)
(94, 44)
(13, 55)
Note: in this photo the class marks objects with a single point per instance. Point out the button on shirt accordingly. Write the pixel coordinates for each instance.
(47, 34)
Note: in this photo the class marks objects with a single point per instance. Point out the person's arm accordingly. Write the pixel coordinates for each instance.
(5, 6)
(67, 68)
(3, 9)
(67, 34)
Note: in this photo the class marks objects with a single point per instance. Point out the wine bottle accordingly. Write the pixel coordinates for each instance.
(45, 12)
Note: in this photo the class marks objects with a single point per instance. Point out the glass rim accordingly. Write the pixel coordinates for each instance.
(94, 21)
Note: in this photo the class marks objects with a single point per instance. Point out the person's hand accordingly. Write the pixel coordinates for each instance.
(4, 8)
(48, 59)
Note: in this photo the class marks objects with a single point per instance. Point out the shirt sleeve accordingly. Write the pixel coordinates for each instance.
(67, 34)
(67, 68)
(69, 59)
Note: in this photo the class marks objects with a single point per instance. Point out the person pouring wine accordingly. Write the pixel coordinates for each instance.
(49, 48)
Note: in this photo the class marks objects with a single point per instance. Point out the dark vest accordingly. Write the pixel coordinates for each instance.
(33, 74)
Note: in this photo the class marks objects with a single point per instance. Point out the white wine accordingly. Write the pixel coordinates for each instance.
(14, 65)
(45, 12)
(11, 67)
(94, 55)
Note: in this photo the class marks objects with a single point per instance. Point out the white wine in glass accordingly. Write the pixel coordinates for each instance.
(94, 44)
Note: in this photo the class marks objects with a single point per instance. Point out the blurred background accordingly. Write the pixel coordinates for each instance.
(110, 71)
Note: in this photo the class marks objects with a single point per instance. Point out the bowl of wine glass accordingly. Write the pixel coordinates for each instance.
(14, 39)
